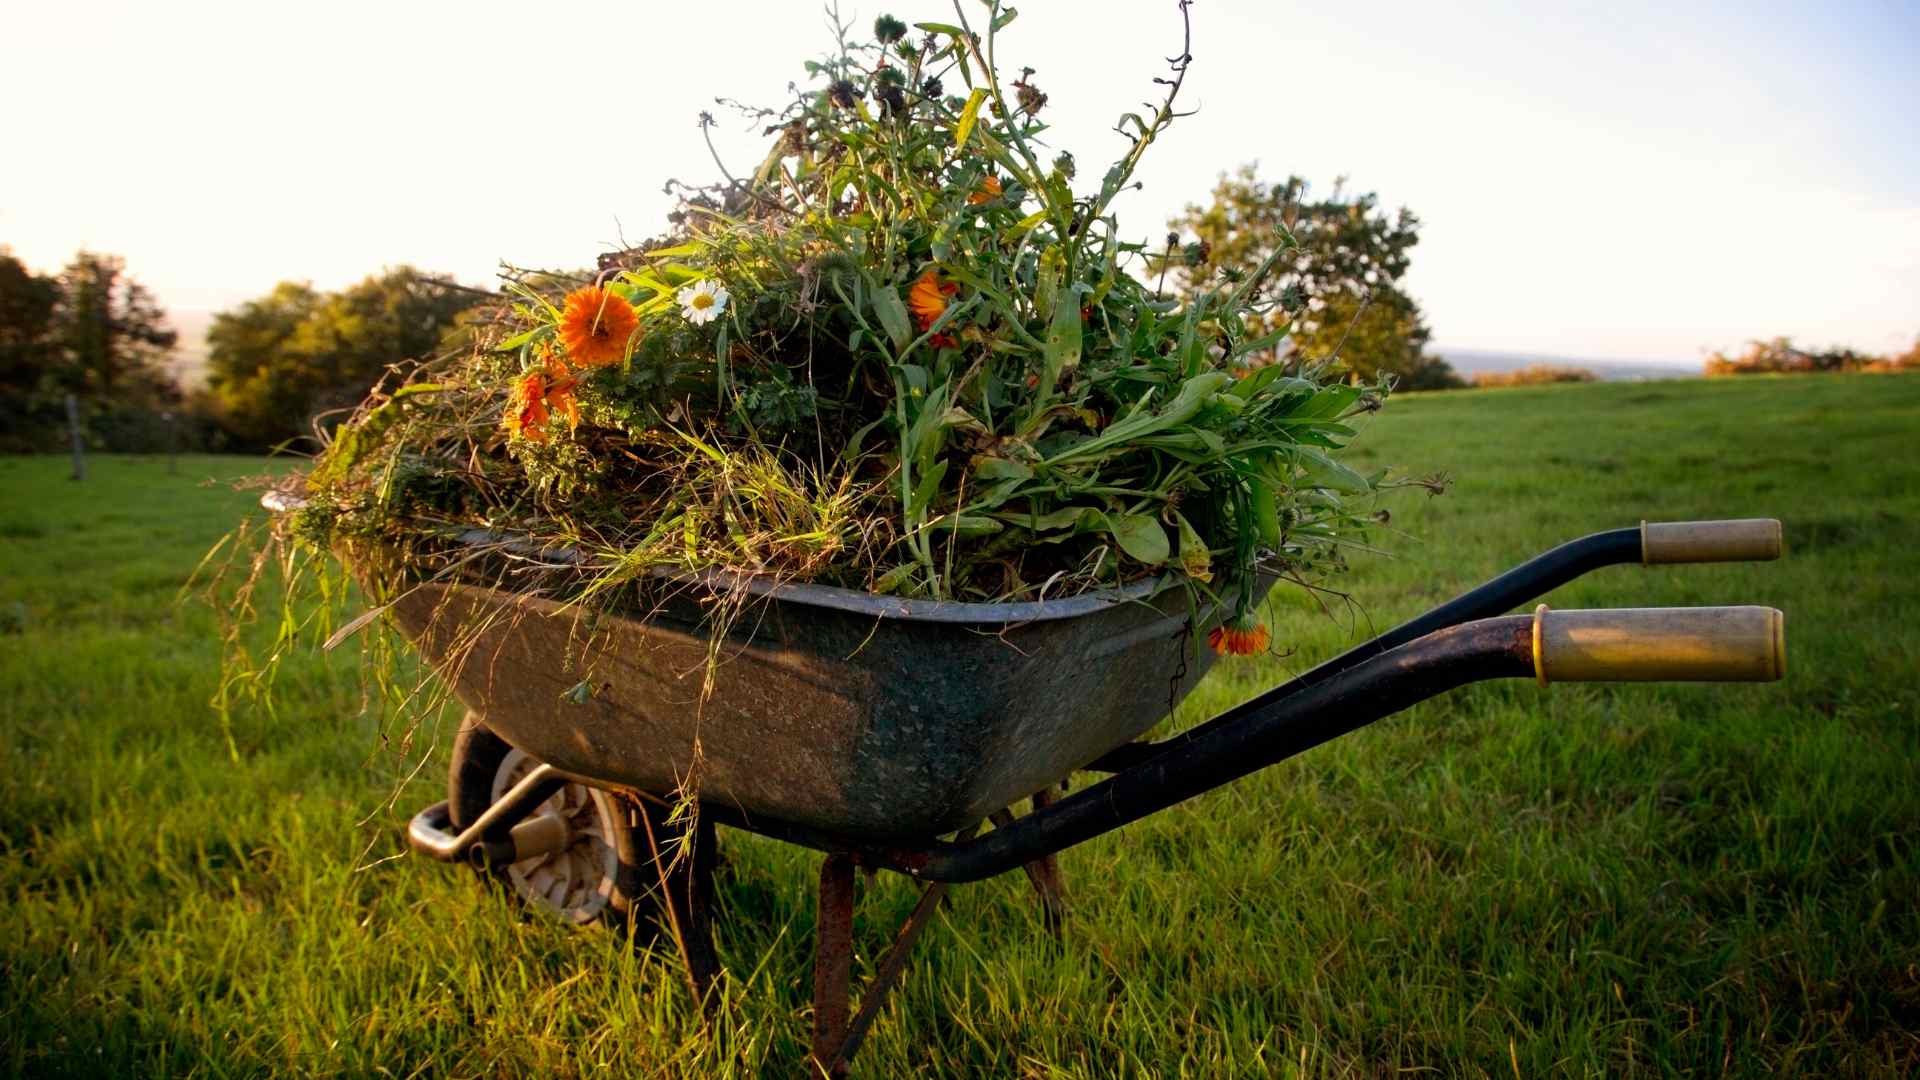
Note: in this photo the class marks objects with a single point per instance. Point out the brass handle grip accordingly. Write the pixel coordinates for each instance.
(1705, 644)
(1739, 540)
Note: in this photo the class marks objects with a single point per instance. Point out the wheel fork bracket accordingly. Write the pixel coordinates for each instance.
(506, 833)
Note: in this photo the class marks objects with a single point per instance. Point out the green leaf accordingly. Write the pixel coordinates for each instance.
(1322, 471)
(999, 468)
(1140, 423)
(1266, 511)
(968, 116)
(1329, 402)
(689, 248)
(925, 490)
(893, 580)
(859, 437)
(518, 340)
(893, 315)
(1141, 537)
(966, 525)
(1073, 517)
(1195, 559)
(1028, 222)
(927, 434)
(1260, 344)
(1063, 337)
(941, 28)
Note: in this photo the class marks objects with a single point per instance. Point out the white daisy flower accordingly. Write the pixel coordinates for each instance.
(702, 302)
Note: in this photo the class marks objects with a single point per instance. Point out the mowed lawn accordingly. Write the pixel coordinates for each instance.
(1506, 881)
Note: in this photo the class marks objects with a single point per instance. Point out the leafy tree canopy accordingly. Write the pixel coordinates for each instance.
(1341, 286)
(276, 362)
(27, 302)
(92, 331)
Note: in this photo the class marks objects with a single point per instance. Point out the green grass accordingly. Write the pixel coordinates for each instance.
(1595, 880)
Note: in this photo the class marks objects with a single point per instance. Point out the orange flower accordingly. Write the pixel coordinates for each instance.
(526, 414)
(1239, 636)
(536, 397)
(988, 191)
(928, 298)
(560, 397)
(596, 325)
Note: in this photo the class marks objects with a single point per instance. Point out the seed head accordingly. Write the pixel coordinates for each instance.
(1028, 95)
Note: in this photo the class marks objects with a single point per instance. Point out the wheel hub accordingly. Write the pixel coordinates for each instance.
(577, 882)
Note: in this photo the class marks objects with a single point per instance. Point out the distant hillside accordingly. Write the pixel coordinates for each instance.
(1468, 361)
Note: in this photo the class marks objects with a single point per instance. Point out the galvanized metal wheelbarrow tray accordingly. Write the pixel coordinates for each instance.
(888, 733)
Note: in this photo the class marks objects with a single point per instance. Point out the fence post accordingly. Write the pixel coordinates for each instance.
(79, 444)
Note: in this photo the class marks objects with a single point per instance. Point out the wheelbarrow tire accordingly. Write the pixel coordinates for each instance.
(597, 880)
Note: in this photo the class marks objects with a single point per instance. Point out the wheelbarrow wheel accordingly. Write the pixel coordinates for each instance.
(596, 879)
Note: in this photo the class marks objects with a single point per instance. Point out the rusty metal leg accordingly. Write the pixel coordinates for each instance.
(685, 877)
(1043, 873)
(832, 963)
(1047, 880)
(890, 968)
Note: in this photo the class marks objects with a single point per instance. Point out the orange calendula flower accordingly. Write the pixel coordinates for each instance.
(560, 399)
(988, 191)
(596, 325)
(527, 414)
(1240, 636)
(927, 299)
(537, 396)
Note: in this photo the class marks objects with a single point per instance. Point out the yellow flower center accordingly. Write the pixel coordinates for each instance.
(702, 301)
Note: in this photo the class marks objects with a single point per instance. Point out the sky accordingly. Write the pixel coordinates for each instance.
(1608, 180)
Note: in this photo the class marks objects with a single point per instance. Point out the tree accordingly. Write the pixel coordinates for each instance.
(1781, 355)
(1907, 361)
(1341, 287)
(27, 302)
(91, 331)
(276, 362)
(112, 335)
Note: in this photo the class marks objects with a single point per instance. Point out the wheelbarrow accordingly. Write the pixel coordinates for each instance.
(900, 735)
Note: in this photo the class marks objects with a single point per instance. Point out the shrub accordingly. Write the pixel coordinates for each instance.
(1533, 375)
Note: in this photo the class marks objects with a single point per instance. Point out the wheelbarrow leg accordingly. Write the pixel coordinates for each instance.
(835, 1039)
(1047, 880)
(686, 894)
(1043, 872)
(832, 962)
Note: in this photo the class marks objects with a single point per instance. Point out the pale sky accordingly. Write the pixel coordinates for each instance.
(1624, 180)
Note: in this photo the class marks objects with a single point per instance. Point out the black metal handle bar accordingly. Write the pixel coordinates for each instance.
(1712, 541)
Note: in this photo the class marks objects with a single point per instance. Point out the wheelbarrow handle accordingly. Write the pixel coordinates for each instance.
(1736, 540)
(1713, 644)
(1653, 543)
(1705, 644)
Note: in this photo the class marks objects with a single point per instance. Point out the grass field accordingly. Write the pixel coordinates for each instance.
(1503, 882)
